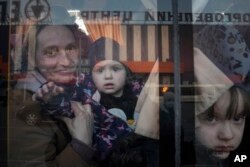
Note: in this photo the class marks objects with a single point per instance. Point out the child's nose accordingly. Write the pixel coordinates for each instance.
(226, 132)
(107, 74)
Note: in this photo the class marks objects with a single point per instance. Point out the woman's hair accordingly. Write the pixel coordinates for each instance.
(235, 91)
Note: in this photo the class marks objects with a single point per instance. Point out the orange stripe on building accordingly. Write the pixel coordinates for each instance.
(146, 67)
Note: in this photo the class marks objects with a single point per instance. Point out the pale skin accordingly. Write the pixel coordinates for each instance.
(105, 72)
(109, 77)
(217, 133)
(57, 54)
(56, 58)
(81, 126)
(84, 119)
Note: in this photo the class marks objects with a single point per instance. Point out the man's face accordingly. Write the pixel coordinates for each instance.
(57, 54)
(109, 77)
(217, 133)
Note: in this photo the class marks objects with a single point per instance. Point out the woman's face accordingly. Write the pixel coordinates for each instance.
(217, 133)
(109, 77)
(57, 54)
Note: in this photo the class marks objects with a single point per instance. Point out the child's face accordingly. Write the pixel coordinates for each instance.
(219, 134)
(109, 77)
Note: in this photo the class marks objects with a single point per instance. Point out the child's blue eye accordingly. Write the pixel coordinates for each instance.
(208, 116)
(239, 118)
(116, 68)
(98, 70)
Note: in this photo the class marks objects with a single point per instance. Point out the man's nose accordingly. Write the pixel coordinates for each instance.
(226, 132)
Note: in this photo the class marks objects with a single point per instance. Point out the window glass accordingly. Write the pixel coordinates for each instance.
(154, 82)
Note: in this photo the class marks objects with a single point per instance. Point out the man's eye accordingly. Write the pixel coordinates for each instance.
(50, 51)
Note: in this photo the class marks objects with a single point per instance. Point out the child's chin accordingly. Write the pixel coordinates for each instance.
(221, 155)
(109, 91)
